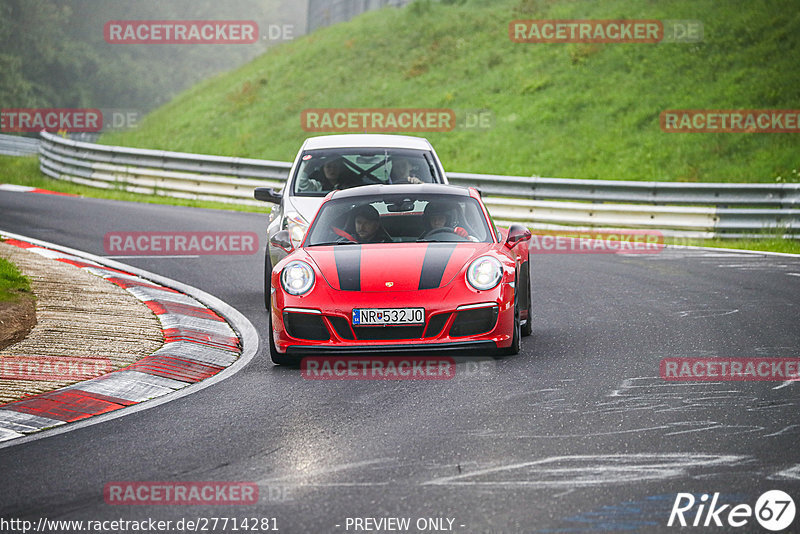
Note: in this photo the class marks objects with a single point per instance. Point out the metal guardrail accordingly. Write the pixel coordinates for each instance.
(700, 210)
(678, 209)
(659, 193)
(14, 145)
(159, 172)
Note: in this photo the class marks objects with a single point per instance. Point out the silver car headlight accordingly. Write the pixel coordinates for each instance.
(484, 273)
(297, 278)
(297, 227)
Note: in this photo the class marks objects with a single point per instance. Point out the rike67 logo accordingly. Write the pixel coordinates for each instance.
(774, 510)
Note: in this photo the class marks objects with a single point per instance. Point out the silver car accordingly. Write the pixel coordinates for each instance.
(332, 162)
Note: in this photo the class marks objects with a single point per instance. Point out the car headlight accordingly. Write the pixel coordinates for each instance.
(484, 273)
(297, 227)
(297, 278)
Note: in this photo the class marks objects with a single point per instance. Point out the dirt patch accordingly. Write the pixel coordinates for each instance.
(17, 319)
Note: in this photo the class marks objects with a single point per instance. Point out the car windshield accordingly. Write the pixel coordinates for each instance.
(321, 171)
(399, 219)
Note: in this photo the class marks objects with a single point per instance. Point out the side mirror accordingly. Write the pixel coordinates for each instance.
(267, 194)
(516, 234)
(282, 240)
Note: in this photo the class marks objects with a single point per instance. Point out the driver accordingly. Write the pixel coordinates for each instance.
(401, 172)
(438, 215)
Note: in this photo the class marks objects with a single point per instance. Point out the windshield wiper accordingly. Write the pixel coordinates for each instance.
(328, 243)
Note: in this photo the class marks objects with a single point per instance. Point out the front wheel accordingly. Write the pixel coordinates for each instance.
(277, 357)
(527, 328)
(515, 340)
(267, 279)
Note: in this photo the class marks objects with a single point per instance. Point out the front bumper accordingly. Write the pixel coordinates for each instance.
(456, 318)
(458, 346)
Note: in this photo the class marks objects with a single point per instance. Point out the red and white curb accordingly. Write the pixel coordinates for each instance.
(28, 189)
(199, 346)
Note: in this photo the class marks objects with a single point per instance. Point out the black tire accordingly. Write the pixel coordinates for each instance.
(277, 357)
(527, 328)
(515, 340)
(267, 278)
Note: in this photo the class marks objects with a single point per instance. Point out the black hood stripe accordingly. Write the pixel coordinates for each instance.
(437, 256)
(348, 266)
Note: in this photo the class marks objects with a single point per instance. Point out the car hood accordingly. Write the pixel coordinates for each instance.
(393, 266)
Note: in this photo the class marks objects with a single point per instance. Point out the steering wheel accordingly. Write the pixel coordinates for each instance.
(439, 231)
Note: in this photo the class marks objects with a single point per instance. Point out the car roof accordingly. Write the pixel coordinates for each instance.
(366, 141)
(401, 189)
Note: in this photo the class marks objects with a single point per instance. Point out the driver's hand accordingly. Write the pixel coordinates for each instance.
(414, 180)
(460, 231)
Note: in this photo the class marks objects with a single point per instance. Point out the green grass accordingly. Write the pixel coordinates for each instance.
(13, 284)
(560, 110)
(25, 171)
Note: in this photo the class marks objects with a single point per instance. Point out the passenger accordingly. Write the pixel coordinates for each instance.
(368, 227)
(401, 172)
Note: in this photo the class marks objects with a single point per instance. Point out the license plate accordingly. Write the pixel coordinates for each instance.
(388, 316)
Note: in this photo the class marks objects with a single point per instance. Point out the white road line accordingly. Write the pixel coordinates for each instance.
(590, 470)
(568, 436)
(148, 257)
(791, 473)
(781, 431)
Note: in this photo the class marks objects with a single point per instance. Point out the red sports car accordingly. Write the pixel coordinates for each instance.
(400, 267)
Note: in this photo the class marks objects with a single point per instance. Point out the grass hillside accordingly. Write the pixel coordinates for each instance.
(13, 284)
(560, 110)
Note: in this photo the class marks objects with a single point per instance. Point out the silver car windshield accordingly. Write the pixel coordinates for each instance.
(322, 171)
(399, 219)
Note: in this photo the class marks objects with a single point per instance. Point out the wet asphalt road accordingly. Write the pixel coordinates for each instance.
(578, 433)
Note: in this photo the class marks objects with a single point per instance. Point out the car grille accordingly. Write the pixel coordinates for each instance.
(372, 333)
(341, 326)
(436, 324)
(305, 326)
(473, 322)
(467, 323)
